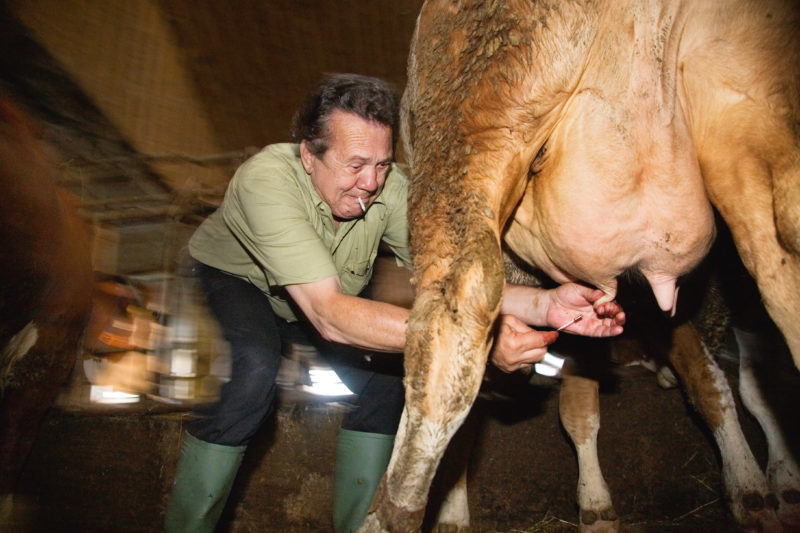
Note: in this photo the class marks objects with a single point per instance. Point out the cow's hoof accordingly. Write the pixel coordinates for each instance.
(756, 513)
(601, 521)
(784, 480)
(666, 378)
(789, 509)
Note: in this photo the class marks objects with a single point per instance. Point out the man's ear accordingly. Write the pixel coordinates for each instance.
(306, 156)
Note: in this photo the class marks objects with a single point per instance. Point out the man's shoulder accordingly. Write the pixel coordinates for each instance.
(272, 166)
(400, 169)
(276, 154)
(396, 181)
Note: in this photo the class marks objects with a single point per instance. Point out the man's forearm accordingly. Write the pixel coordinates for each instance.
(366, 324)
(529, 304)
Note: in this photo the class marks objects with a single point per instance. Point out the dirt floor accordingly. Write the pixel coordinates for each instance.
(108, 469)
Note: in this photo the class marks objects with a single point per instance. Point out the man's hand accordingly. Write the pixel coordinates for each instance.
(518, 345)
(599, 319)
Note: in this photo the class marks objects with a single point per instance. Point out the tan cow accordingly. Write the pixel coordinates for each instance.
(594, 138)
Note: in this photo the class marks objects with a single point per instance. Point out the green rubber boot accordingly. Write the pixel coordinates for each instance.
(361, 460)
(203, 480)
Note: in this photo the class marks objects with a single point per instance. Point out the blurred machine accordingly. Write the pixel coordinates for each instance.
(150, 335)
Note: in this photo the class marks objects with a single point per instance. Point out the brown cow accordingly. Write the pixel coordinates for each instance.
(45, 291)
(593, 137)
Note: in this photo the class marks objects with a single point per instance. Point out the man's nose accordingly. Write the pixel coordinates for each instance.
(368, 179)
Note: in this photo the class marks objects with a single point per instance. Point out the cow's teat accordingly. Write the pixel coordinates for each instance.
(665, 290)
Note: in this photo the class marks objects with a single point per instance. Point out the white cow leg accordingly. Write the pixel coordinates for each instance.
(579, 409)
(751, 502)
(447, 348)
(399, 503)
(450, 483)
(440, 391)
(454, 513)
(783, 474)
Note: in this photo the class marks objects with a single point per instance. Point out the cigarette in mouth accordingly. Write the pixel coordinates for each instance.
(361, 203)
(570, 322)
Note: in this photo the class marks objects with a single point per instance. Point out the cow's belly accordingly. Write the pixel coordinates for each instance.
(613, 197)
(577, 246)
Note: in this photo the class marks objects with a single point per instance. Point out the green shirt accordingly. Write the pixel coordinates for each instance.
(273, 229)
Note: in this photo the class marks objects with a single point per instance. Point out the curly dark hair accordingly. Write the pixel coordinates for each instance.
(370, 98)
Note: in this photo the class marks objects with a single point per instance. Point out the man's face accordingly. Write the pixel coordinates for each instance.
(355, 165)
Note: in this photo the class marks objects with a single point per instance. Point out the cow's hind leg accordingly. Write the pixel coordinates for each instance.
(783, 474)
(750, 501)
(579, 408)
(470, 158)
(448, 340)
(751, 166)
(772, 260)
(744, 105)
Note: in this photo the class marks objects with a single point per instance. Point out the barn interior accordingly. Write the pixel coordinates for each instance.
(149, 107)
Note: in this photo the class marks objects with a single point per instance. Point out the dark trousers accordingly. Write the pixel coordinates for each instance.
(256, 335)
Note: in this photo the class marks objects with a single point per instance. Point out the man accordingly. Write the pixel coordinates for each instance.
(286, 256)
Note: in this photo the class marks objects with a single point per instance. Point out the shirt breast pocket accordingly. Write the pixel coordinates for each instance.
(355, 276)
